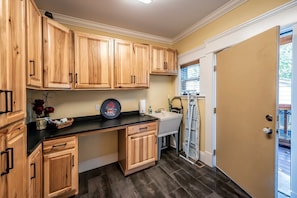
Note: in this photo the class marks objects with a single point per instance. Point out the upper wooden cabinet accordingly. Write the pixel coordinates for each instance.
(34, 45)
(163, 61)
(57, 53)
(93, 61)
(12, 61)
(131, 64)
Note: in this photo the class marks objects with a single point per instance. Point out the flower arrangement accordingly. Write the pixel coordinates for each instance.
(40, 109)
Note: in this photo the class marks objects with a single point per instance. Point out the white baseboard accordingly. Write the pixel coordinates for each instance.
(97, 162)
(206, 158)
(87, 165)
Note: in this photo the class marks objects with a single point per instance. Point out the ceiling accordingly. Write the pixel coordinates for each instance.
(168, 19)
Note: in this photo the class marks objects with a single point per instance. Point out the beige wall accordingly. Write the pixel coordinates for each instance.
(245, 12)
(82, 103)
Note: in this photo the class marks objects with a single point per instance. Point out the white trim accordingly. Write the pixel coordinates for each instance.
(65, 19)
(281, 16)
(206, 158)
(97, 162)
(294, 117)
(210, 18)
(69, 20)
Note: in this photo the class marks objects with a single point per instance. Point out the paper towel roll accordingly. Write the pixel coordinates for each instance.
(142, 107)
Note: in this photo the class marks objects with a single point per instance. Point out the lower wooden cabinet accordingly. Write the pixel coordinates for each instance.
(60, 167)
(137, 147)
(13, 160)
(35, 173)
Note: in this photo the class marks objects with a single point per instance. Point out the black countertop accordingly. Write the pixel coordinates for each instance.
(82, 125)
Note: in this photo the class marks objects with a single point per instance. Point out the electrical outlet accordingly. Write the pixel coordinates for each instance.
(97, 107)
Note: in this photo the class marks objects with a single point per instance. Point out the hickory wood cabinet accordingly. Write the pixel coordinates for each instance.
(13, 139)
(12, 62)
(137, 147)
(131, 64)
(35, 173)
(57, 64)
(34, 45)
(93, 61)
(60, 167)
(163, 61)
(13, 160)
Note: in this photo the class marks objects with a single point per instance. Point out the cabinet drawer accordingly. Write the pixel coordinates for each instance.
(58, 144)
(142, 128)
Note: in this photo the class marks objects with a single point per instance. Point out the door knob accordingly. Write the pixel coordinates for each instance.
(267, 130)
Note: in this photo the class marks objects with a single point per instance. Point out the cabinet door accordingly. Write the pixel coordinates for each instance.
(3, 166)
(141, 149)
(17, 147)
(56, 48)
(157, 59)
(12, 68)
(60, 173)
(93, 61)
(4, 62)
(34, 45)
(163, 61)
(141, 65)
(35, 173)
(123, 66)
(60, 167)
(171, 61)
(131, 64)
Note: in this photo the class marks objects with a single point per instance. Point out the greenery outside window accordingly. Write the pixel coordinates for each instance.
(285, 67)
(190, 78)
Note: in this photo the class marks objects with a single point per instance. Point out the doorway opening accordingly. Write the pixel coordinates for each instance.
(284, 110)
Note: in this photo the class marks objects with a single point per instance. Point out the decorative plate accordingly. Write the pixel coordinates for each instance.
(110, 108)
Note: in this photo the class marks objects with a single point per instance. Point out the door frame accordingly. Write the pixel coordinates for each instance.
(294, 117)
(282, 16)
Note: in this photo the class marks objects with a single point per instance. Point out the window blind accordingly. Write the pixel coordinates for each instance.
(190, 77)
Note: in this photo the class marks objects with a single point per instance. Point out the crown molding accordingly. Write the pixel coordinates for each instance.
(69, 20)
(210, 18)
(243, 31)
(65, 19)
(270, 13)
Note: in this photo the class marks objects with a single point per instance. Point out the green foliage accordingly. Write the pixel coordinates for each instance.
(285, 62)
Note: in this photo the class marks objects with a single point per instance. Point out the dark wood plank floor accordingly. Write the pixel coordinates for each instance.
(171, 177)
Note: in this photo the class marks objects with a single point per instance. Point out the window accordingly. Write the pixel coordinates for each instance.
(190, 78)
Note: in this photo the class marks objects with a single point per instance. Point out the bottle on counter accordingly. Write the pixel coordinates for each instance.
(150, 111)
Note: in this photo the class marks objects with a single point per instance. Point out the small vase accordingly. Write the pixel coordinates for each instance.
(41, 123)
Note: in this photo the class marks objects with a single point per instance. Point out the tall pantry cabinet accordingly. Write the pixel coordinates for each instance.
(12, 99)
(12, 56)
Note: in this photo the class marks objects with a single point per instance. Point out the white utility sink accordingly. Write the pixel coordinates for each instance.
(169, 122)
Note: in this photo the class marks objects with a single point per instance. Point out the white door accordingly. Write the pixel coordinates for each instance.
(246, 94)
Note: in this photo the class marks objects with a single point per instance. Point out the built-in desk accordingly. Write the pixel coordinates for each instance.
(137, 148)
(84, 125)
